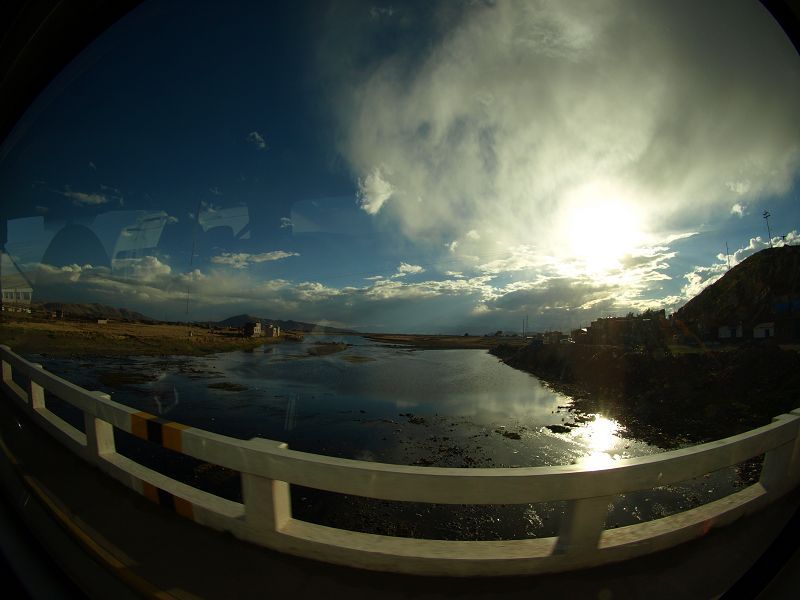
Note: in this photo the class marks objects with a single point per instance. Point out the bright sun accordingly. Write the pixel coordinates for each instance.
(600, 228)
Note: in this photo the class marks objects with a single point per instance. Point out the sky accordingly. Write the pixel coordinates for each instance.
(421, 167)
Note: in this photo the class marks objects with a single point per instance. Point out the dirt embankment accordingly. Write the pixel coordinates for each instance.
(76, 338)
(670, 400)
(443, 342)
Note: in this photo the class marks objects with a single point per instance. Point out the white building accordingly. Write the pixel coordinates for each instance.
(764, 330)
(15, 290)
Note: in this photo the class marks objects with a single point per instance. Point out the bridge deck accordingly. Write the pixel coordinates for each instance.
(151, 549)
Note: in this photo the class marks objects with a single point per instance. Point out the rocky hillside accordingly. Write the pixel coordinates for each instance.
(745, 294)
(90, 311)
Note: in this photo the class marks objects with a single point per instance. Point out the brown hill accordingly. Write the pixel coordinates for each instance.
(748, 293)
(90, 311)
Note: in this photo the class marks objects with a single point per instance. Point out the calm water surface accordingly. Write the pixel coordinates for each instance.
(372, 401)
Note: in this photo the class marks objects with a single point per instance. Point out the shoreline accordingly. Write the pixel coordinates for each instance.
(442, 342)
(667, 400)
(68, 338)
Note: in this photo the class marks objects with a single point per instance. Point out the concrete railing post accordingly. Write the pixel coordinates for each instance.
(36, 393)
(777, 470)
(99, 433)
(794, 463)
(267, 503)
(583, 525)
(7, 378)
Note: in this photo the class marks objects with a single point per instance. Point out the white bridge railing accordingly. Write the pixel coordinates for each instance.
(268, 468)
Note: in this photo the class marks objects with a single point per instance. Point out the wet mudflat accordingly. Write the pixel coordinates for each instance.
(371, 401)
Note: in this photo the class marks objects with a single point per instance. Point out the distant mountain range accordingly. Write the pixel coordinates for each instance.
(95, 310)
(748, 293)
(240, 320)
(90, 311)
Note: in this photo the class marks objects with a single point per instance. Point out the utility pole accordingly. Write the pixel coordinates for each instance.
(191, 264)
(766, 216)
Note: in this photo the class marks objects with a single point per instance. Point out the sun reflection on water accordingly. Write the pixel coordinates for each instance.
(599, 436)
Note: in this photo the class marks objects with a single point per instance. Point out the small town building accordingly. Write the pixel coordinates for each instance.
(253, 329)
(764, 330)
(102, 321)
(273, 331)
(16, 290)
(580, 336)
(730, 332)
(552, 337)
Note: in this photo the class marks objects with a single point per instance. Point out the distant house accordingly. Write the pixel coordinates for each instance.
(102, 321)
(15, 288)
(273, 331)
(552, 337)
(580, 336)
(764, 330)
(729, 332)
(253, 329)
(648, 329)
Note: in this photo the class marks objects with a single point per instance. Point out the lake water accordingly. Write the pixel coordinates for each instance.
(376, 402)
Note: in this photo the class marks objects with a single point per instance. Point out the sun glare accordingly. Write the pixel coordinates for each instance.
(600, 436)
(601, 227)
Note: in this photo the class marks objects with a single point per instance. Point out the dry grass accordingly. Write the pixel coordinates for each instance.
(67, 338)
(445, 341)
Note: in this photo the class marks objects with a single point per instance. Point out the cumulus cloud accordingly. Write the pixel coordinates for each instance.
(146, 268)
(257, 140)
(286, 223)
(738, 209)
(558, 295)
(241, 260)
(407, 269)
(157, 289)
(479, 302)
(520, 117)
(82, 199)
(374, 191)
(107, 194)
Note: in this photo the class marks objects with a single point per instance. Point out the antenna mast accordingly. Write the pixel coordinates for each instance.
(728, 256)
(766, 216)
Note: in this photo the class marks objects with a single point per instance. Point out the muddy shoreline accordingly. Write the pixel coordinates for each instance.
(669, 401)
